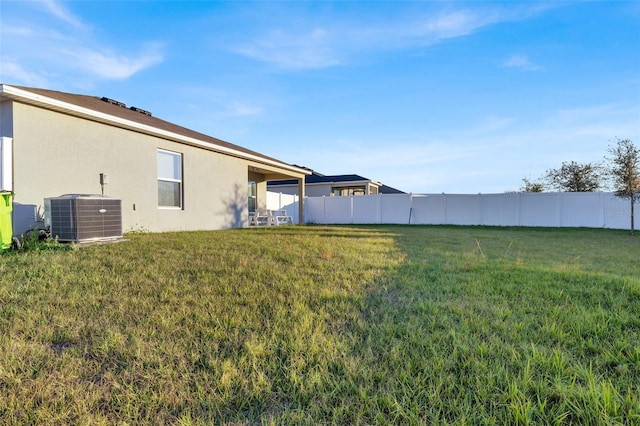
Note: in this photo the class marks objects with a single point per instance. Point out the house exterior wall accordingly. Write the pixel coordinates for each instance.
(316, 190)
(285, 189)
(57, 154)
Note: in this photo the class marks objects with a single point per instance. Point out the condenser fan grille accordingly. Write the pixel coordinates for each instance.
(81, 218)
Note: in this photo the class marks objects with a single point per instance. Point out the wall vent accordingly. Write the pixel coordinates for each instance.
(140, 110)
(84, 218)
(113, 102)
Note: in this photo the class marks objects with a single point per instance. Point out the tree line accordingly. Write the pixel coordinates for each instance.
(620, 170)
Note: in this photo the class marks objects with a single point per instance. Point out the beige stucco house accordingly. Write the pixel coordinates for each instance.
(167, 176)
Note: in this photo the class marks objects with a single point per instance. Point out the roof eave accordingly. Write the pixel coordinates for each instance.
(31, 98)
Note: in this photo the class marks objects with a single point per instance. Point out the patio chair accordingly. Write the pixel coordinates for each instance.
(280, 217)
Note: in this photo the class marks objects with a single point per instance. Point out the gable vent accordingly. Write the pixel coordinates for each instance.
(113, 102)
(140, 110)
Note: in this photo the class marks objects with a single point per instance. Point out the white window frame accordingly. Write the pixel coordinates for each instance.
(172, 180)
(253, 196)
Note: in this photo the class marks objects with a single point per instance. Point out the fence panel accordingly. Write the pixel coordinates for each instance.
(581, 209)
(617, 212)
(549, 209)
(366, 209)
(500, 209)
(428, 209)
(394, 208)
(338, 210)
(314, 210)
(462, 209)
(539, 209)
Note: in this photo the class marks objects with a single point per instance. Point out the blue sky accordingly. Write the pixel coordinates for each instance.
(424, 96)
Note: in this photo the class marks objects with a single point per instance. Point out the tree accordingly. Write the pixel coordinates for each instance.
(575, 177)
(529, 186)
(624, 168)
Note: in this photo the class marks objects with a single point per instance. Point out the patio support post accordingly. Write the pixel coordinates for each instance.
(301, 201)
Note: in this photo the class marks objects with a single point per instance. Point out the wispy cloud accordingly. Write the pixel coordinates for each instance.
(492, 124)
(521, 62)
(220, 111)
(239, 108)
(58, 10)
(307, 50)
(38, 50)
(111, 65)
(455, 24)
(12, 71)
(333, 42)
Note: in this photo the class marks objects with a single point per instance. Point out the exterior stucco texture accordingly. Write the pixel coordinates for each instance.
(56, 154)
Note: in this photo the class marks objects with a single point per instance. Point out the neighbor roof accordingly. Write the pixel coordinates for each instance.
(318, 178)
(117, 114)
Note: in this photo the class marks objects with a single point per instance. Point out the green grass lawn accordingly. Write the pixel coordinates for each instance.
(325, 325)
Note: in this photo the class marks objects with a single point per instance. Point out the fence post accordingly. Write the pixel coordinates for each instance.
(351, 208)
(601, 207)
(444, 208)
(559, 209)
(324, 214)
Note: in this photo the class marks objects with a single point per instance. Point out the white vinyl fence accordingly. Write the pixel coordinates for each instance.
(287, 202)
(550, 209)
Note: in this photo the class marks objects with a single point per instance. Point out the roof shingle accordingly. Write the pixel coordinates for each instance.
(95, 103)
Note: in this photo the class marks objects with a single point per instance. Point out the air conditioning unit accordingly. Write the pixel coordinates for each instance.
(84, 217)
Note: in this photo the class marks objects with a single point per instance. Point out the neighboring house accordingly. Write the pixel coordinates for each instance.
(318, 185)
(168, 177)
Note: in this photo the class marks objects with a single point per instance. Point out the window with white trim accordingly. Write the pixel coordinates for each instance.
(338, 191)
(169, 179)
(252, 197)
